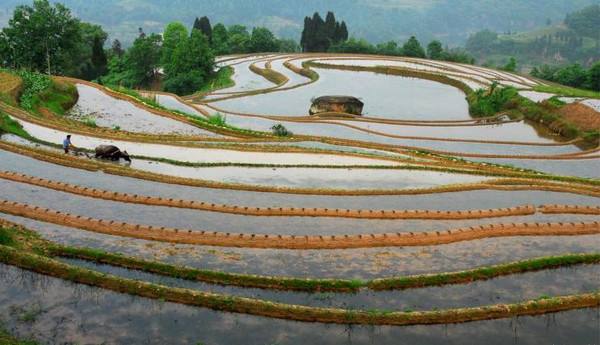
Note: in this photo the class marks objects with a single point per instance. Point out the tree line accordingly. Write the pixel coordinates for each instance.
(318, 34)
(435, 50)
(572, 75)
(47, 38)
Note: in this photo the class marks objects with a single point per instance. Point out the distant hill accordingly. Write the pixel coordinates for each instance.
(452, 21)
(574, 40)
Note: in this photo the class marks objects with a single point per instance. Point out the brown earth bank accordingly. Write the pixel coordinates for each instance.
(275, 241)
(582, 116)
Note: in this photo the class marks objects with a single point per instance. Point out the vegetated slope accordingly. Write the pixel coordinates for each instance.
(450, 20)
(573, 39)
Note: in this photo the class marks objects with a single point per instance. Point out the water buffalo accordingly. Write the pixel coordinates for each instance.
(111, 152)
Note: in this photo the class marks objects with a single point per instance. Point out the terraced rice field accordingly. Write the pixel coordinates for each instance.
(414, 222)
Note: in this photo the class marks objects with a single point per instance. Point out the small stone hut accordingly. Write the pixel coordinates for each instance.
(336, 104)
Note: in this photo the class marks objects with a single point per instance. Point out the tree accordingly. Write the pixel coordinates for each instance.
(193, 61)
(320, 41)
(288, 46)
(511, 65)
(262, 40)
(329, 27)
(435, 50)
(174, 34)
(388, 48)
(482, 42)
(117, 49)
(220, 37)
(38, 36)
(585, 22)
(343, 32)
(318, 34)
(593, 77)
(353, 46)
(238, 40)
(99, 61)
(87, 59)
(413, 48)
(573, 75)
(143, 59)
(203, 25)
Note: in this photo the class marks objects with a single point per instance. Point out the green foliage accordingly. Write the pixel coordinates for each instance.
(219, 42)
(576, 42)
(571, 75)
(174, 34)
(40, 37)
(8, 125)
(483, 103)
(88, 60)
(218, 120)
(40, 91)
(511, 65)
(280, 131)
(567, 91)
(143, 59)
(219, 80)
(184, 83)
(191, 64)
(482, 42)
(354, 46)
(203, 25)
(6, 235)
(262, 40)
(390, 48)
(318, 34)
(138, 66)
(585, 22)
(33, 84)
(7, 339)
(435, 50)
(89, 121)
(413, 48)
(288, 46)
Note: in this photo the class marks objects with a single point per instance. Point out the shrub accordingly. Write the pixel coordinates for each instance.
(89, 121)
(280, 131)
(6, 237)
(8, 125)
(218, 120)
(33, 84)
(489, 102)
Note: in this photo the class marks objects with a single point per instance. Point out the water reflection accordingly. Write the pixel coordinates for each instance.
(383, 95)
(81, 314)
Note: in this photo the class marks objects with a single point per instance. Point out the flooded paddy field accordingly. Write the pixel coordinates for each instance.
(107, 111)
(579, 279)
(366, 263)
(482, 199)
(84, 314)
(197, 220)
(193, 154)
(381, 94)
(404, 156)
(354, 178)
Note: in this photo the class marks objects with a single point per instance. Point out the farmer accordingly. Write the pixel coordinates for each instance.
(67, 144)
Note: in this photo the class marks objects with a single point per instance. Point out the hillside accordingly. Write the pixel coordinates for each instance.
(572, 40)
(449, 20)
